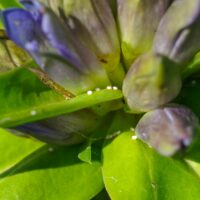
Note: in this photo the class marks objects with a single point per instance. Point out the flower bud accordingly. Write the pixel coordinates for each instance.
(138, 21)
(67, 129)
(168, 129)
(70, 78)
(93, 23)
(178, 33)
(151, 82)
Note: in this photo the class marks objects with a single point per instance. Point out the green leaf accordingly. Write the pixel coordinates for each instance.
(45, 172)
(24, 98)
(193, 67)
(131, 170)
(195, 166)
(10, 3)
(14, 149)
(86, 153)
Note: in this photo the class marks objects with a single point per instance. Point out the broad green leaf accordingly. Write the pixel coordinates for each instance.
(195, 166)
(132, 170)
(24, 98)
(46, 173)
(13, 149)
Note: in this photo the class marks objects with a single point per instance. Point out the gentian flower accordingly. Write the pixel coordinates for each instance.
(134, 45)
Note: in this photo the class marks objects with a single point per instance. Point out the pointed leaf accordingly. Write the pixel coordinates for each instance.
(24, 98)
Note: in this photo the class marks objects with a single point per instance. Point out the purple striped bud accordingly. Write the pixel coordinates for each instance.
(138, 21)
(151, 82)
(178, 33)
(67, 129)
(168, 129)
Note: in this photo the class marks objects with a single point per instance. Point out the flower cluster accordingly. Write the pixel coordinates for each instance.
(142, 47)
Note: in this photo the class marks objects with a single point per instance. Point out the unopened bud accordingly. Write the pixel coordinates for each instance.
(168, 129)
(151, 82)
(178, 33)
(67, 129)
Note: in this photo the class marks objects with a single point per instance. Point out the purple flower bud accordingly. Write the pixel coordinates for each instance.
(21, 27)
(138, 21)
(24, 31)
(53, 30)
(168, 129)
(67, 129)
(94, 24)
(151, 82)
(178, 33)
(33, 8)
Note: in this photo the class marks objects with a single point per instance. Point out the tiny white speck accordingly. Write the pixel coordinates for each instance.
(115, 88)
(97, 89)
(17, 23)
(134, 137)
(33, 112)
(89, 92)
(117, 133)
(71, 23)
(153, 185)
(109, 87)
(50, 149)
(132, 129)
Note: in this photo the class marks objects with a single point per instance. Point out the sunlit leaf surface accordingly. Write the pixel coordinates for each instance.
(131, 170)
(32, 170)
(24, 98)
